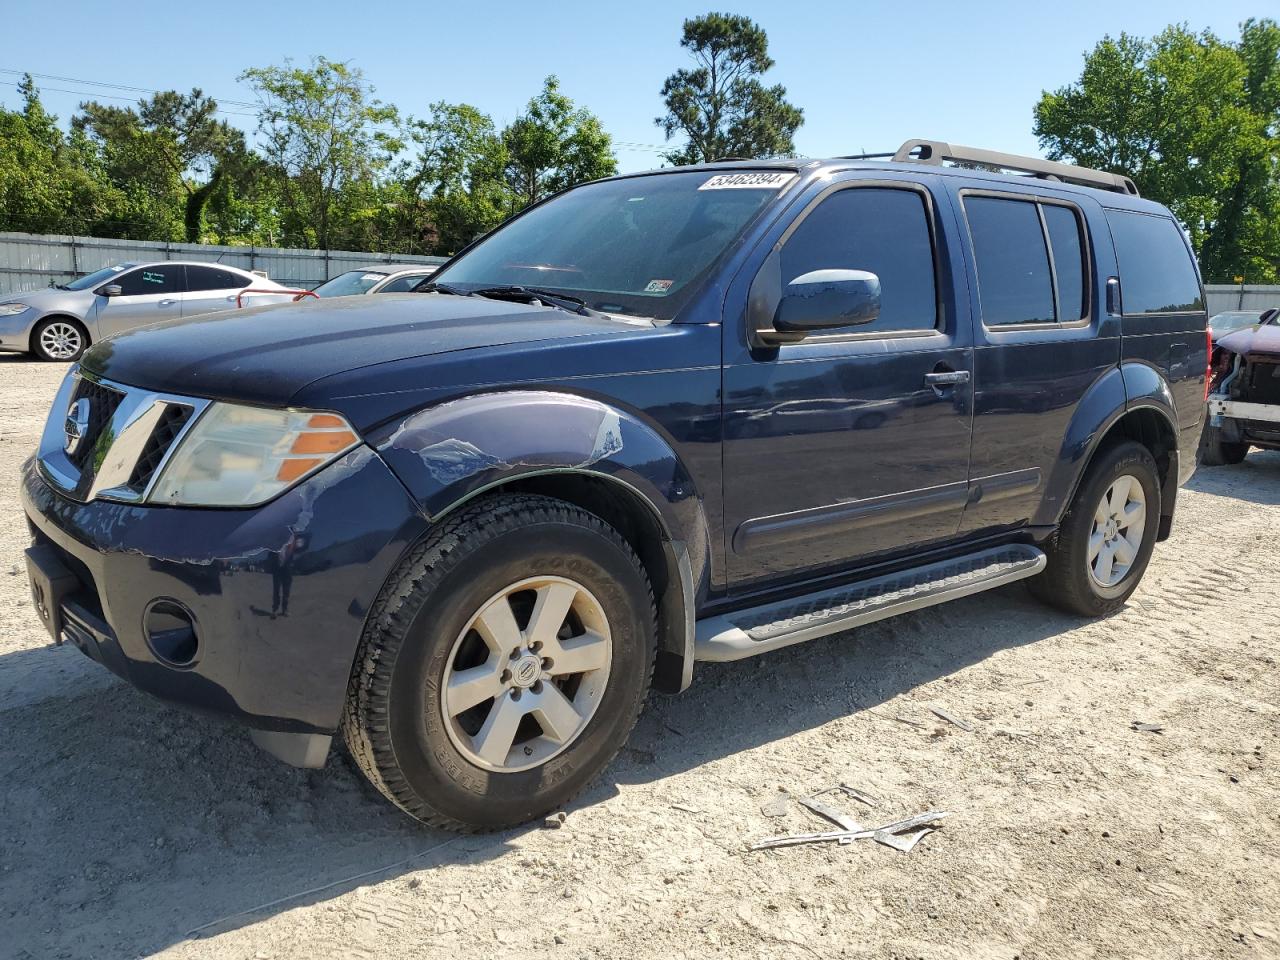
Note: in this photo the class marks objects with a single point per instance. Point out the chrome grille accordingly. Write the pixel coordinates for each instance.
(103, 404)
(171, 422)
(130, 434)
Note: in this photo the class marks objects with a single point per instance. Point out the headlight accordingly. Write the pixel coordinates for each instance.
(13, 309)
(238, 456)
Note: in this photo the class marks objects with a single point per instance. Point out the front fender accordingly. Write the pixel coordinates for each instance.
(452, 452)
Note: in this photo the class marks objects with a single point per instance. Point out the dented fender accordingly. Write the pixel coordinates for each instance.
(450, 453)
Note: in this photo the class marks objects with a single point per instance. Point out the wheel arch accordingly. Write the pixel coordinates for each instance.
(1113, 411)
(584, 451)
(35, 326)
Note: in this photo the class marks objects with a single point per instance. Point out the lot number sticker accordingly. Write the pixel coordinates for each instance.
(762, 180)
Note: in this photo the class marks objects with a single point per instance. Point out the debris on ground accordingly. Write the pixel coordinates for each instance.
(911, 723)
(775, 807)
(848, 836)
(954, 721)
(858, 795)
(1147, 727)
(555, 821)
(685, 809)
(841, 820)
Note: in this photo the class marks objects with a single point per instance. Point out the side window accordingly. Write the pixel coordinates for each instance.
(1157, 274)
(1065, 240)
(160, 278)
(213, 278)
(885, 231)
(1014, 282)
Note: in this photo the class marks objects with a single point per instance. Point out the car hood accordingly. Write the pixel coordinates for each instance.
(47, 297)
(267, 354)
(1259, 340)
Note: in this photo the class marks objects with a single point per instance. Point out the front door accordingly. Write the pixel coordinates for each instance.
(852, 446)
(147, 295)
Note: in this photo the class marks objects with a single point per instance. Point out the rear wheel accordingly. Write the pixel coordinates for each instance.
(1216, 452)
(505, 664)
(59, 339)
(1105, 540)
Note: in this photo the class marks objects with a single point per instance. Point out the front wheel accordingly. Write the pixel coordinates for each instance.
(58, 339)
(504, 665)
(1105, 540)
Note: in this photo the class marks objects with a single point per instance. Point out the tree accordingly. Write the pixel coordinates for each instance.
(328, 139)
(48, 183)
(456, 184)
(1196, 123)
(173, 146)
(721, 105)
(554, 145)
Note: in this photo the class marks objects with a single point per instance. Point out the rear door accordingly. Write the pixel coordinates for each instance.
(849, 445)
(147, 295)
(211, 288)
(1163, 307)
(1042, 338)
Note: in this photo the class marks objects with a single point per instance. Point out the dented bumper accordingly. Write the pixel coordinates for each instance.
(277, 594)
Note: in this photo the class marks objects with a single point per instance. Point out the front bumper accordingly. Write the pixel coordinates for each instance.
(278, 594)
(15, 331)
(1244, 422)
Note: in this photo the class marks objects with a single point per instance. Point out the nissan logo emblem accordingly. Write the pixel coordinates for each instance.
(76, 425)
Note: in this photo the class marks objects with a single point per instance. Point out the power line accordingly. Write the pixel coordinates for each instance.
(111, 86)
(107, 96)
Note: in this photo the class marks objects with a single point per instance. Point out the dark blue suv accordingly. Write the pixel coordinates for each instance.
(695, 414)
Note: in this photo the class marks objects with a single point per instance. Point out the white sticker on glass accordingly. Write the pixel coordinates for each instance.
(755, 180)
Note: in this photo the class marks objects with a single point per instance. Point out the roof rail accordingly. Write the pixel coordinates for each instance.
(935, 152)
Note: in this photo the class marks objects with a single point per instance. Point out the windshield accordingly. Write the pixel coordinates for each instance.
(1233, 320)
(346, 284)
(101, 276)
(634, 246)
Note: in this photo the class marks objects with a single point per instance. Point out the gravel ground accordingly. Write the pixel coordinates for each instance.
(130, 828)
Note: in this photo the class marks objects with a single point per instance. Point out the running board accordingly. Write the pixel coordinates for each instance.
(745, 633)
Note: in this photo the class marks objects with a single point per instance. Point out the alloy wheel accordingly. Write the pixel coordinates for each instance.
(527, 673)
(62, 341)
(1118, 525)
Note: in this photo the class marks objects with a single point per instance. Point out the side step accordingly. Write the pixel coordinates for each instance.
(745, 633)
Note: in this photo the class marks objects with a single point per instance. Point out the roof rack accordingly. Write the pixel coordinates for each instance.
(936, 151)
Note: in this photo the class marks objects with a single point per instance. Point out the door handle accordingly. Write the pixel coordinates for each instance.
(167, 303)
(946, 378)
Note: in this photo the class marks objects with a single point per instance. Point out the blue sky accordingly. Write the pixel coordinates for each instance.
(868, 75)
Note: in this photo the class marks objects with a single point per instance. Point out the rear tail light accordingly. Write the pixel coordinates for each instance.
(1208, 361)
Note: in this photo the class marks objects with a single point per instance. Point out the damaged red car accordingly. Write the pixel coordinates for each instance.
(1243, 393)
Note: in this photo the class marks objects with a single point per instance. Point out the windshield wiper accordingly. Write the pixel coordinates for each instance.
(61, 286)
(441, 288)
(562, 300)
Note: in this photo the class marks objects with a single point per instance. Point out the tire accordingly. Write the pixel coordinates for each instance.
(1071, 580)
(59, 340)
(441, 614)
(1216, 452)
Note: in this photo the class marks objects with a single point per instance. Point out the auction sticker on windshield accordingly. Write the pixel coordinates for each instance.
(759, 180)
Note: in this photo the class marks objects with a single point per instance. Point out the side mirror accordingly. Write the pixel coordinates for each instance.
(825, 300)
(111, 290)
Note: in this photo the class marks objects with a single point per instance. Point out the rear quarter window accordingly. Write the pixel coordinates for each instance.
(1157, 274)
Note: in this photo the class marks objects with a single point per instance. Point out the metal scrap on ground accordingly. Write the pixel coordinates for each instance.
(842, 820)
(776, 807)
(954, 721)
(858, 795)
(847, 836)
(1148, 727)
